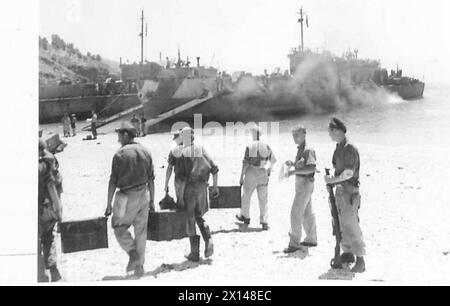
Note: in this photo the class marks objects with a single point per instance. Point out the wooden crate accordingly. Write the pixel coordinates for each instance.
(77, 236)
(167, 225)
(54, 142)
(229, 197)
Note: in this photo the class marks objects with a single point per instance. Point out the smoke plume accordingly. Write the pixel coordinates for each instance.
(315, 88)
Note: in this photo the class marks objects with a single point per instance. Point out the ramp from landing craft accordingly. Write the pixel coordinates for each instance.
(158, 119)
(179, 109)
(115, 117)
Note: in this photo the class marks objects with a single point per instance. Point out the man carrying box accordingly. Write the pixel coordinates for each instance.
(131, 173)
(198, 166)
(175, 164)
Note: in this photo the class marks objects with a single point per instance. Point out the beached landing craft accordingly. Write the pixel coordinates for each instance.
(315, 83)
(81, 99)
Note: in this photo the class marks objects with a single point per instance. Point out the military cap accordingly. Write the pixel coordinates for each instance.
(337, 124)
(299, 129)
(176, 134)
(127, 127)
(187, 130)
(256, 130)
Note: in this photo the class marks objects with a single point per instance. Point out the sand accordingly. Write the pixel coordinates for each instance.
(404, 216)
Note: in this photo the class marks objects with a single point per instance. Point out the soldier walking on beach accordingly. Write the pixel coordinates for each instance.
(143, 128)
(197, 166)
(132, 174)
(49, 213)
(135, 122)
(66, 125)
(73, 124)
(255, 175)
(302, 214)
(94, 125)
(175, 164)
(346, 164)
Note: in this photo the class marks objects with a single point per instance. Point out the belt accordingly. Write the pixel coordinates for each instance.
(258, 167)
(306, 175)
(356, 185)
(132, 187)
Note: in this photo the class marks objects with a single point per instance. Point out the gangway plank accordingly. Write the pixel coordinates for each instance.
(160, 118)
(179, 109)
(115, 117)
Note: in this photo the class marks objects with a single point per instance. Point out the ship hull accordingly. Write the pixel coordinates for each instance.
(227, 108)
(410, 91)
(52, 110)
(268, 106)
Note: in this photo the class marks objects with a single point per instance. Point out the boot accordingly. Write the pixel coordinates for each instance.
(265, 226)
(290, 249)
(336, 263)
(139, 271)
(360, 265)
(134, 260)
(308, 244)
(54, 274)
(347, 258)
(209, 245)
(194, 255)
(43, 279)
(243, 219)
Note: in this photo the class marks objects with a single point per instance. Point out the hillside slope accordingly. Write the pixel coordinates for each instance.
(62, 63)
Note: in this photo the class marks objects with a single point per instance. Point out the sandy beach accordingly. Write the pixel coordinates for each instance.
(404, 211)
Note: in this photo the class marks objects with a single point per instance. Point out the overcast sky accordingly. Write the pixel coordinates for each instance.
(256, 34)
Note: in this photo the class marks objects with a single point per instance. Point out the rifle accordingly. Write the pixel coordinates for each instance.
(336, 261)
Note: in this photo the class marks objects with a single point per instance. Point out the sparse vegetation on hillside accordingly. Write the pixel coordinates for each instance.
(61, 62)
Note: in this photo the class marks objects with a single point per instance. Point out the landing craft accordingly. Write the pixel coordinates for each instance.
(315, 83)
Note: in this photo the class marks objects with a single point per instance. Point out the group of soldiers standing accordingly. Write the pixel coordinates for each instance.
(69, 125)
(131, 192)
(258, 163)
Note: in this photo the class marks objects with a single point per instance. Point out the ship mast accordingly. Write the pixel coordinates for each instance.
(303, 17)
(142, 38)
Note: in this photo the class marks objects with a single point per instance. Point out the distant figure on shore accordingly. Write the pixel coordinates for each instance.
(73, 124)
(255, 175)
(94, 125)
(346, 179)
(135, 122)
(143, 128)
(66, 125)
(49, 213)
(133, 175)
(302, 215)
(167, 63)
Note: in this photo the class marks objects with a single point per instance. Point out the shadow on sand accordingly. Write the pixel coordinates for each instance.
(242, 228)
(338, 274)
(300, 254)
(164, 268)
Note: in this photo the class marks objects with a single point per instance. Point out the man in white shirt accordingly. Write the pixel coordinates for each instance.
(256, 168)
